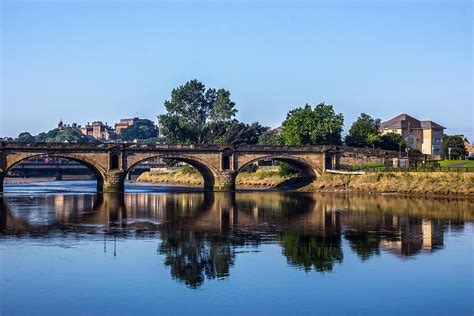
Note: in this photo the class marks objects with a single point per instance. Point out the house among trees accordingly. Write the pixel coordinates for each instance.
(425, 136)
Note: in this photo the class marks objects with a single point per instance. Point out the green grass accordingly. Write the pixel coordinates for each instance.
(370, 165)
(465, 163)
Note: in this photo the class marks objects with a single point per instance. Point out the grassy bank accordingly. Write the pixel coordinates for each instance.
(435, 183)
(449, 163)
(438, 183)
(188, 176)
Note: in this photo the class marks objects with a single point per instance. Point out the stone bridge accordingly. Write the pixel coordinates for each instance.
(218, 164)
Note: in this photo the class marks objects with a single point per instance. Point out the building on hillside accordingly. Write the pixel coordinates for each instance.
(425, 136)
(62, 126)
(99, 131)
(124, 123)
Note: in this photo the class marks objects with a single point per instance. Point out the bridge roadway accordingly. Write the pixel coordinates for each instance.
(218, 164)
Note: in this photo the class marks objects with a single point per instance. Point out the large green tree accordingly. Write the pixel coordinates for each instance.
(25, 137)
(191, 110)
(456, 143)
(364, 132)
(308, 126)
(392, 141)
(237, 133)
(271, 137)
(142, 129)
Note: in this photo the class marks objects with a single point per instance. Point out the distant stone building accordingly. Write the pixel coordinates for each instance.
(99, 131)
(425, 136)
(62, 126)
(124, 123)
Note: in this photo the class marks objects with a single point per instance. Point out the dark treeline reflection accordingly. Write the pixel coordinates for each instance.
(200, 234)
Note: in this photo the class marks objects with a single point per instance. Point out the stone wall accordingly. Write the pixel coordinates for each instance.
(349, 157)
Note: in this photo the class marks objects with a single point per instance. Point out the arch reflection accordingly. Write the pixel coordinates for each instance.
(200, 235)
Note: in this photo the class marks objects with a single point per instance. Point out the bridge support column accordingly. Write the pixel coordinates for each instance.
(2, 176)
(225, 181)
(114, 182)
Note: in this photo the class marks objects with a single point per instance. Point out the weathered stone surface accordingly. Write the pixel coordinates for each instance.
(114, 182)
(218, 164)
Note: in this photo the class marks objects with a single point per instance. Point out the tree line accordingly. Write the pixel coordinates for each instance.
(199, 115)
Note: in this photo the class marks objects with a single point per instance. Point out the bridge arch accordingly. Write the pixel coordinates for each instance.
(306, 170)
(97, 170)
(208, 172)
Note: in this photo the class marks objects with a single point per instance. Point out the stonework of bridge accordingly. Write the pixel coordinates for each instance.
(218, 164)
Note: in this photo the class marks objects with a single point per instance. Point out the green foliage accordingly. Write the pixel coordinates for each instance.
(464, 163)
(69, 134)
(223, 108)
(364, 132)
(188, 170)
(286, 170)
(25, 137)
(367, 166)
(142, 129)
(312, 251)
(392, 141)
(271, 137)
(193, 258)
(308, 126)
(190, 111)
(365, 244)
(236, 133)
(456, 143)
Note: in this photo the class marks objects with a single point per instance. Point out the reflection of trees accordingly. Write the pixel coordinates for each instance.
(194, 256)
(319, 249)
(307, 251)
(365, 244)
(200, 232)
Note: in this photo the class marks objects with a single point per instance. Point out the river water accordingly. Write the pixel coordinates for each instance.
(161, 250)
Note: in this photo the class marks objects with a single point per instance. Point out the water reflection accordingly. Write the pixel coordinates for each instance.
(200, 234)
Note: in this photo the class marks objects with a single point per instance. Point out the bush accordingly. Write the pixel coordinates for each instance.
(286, 170)
(188, 170)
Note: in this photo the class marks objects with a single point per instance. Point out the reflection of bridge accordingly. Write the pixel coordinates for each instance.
(368, 222)
(218, 164)
(200, 233)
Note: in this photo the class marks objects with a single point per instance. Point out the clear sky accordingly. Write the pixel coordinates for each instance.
(104, 60)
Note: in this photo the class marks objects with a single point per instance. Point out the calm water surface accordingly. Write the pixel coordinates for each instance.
(66, 250)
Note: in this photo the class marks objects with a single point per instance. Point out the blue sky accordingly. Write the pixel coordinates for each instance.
(105, 60)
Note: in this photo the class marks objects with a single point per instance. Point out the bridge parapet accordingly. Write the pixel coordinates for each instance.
(219, 164)
(139, 146)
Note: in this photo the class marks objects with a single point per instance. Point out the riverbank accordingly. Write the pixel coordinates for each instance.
(417, 183)
(259, 179)
(420, 183)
